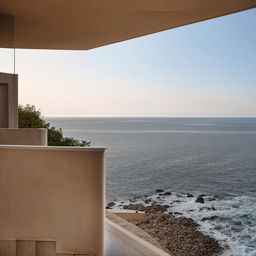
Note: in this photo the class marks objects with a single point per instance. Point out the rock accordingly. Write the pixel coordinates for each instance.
(209, 218)
(177, 213)
(189, 195)
(202, 195)
(178, 235)
(200, 200)
(154, 208)
(147, 201)
(159, 191)
(135, 207)
(167, 193)
(110, 205)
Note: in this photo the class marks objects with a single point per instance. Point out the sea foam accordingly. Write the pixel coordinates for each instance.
(229, 219)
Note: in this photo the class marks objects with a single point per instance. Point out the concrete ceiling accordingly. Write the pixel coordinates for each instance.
(86, 24)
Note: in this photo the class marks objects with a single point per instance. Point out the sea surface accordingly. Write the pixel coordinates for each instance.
(211, 156)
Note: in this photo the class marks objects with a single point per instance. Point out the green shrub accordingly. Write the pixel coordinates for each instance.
(30, 117)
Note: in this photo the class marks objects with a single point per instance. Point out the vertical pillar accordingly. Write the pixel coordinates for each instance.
(8, 100)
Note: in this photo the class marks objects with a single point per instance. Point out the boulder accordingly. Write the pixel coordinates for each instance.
(189, 195)
(110, 205)
(200, 200)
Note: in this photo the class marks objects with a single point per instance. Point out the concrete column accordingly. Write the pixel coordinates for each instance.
(8, 100)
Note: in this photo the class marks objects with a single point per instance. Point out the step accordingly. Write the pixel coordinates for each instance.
(25, 248)
(68, 254)
(32, 248)
(7, 248)
(45, 248)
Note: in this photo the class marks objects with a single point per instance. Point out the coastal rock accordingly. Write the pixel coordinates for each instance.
(154, 208)
(135, 207)
(147, 201)
(189, 195)
(110, 205)
(167, 193)
(209, 218)
(159, 191)
(178, 235)
(200, 200)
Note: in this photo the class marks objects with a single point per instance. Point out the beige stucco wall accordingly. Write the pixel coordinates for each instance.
(53, 193)
(23, 136)
(9, 101)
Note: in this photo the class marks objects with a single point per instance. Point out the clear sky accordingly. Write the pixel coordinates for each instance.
(207, 68)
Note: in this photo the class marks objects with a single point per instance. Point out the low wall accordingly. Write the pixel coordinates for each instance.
(53, 193)
(121, 241)
(23, 137)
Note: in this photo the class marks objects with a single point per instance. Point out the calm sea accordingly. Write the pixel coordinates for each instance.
(213, 156)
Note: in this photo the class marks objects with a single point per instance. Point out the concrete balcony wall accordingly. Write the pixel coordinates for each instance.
(120, 241)
(23, 137)
(53, 193)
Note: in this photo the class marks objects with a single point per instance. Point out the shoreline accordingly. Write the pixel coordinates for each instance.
(229, 219)
(176, 234)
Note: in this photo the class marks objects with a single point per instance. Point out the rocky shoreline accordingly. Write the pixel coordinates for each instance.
(178, 235)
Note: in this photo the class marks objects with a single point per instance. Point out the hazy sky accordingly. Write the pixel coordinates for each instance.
(208, 68)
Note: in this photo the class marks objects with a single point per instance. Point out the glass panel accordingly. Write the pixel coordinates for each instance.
(7, 44)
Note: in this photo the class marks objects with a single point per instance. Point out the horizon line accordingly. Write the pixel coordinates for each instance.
(152, 116)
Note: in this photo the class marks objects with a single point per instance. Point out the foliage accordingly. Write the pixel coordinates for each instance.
(30, 117)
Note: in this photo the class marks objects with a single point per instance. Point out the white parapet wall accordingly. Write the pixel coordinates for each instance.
(53, 193)
(23, 136)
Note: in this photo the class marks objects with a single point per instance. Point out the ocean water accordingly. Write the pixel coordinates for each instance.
(211, 156)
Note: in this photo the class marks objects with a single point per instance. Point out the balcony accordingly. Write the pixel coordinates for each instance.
(57, 194)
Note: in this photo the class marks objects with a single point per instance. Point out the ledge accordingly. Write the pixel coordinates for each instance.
(59, 148)
(20, 136)
(130, 240)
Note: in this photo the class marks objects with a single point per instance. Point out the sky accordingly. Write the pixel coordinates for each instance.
(203, 69)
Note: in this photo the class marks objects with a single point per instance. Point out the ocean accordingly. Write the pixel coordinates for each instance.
(211, 156)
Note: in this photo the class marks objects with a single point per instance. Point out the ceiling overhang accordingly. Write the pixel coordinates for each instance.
(86, 24)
